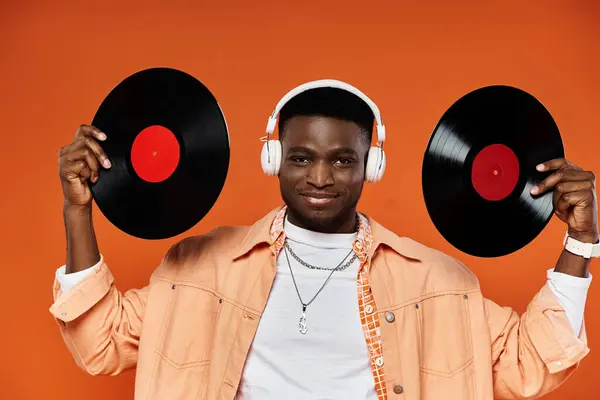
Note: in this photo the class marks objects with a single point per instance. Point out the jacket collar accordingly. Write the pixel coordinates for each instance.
(261, 233)
(402, 245)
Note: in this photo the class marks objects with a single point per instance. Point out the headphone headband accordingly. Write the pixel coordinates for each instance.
(328, 83)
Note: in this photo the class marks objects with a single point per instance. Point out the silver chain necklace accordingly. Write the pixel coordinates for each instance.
(307, 265)
(302, 327)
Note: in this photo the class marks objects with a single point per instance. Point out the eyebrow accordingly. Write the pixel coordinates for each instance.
(337, 150)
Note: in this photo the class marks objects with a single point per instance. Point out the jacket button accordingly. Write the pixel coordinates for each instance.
(398, 389)
(389, 316)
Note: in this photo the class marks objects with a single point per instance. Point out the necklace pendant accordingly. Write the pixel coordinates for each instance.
(302, 324)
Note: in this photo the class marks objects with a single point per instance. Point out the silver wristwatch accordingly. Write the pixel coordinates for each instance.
(585, 250)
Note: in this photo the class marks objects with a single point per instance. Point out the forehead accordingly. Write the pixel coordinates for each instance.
(321, 131)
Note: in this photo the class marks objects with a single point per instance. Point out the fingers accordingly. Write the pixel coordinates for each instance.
(98, 151)
(562, 175)
(570, 199)
(564, 194)
(573, 186)
(94, 147)
(555, 164)
(81, 168)
(574, 195)
(89, 131)
(84, 156)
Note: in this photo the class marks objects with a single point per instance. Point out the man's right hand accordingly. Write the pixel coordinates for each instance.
(79, 162)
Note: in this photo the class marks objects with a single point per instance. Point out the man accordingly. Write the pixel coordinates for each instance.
(316, 300)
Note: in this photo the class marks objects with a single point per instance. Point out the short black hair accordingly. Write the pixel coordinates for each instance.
(329, 102)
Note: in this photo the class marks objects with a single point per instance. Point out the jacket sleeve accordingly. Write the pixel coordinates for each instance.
(534, 353)
(100, 325)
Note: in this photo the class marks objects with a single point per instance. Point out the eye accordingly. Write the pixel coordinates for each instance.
(299, 160)
(345, 161)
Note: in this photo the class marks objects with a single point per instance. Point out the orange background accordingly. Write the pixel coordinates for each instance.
(60, 61)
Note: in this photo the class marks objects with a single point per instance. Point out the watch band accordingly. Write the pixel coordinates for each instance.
(585, 250)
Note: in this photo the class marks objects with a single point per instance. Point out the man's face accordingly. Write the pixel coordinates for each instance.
(322, 170)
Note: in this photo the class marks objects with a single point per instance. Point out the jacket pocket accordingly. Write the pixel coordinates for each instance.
(189, 328)
(174, 382)
(444, 333)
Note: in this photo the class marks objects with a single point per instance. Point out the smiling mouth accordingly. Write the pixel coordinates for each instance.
(318, 199)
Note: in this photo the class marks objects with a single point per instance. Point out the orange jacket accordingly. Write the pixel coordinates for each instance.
(189, 331)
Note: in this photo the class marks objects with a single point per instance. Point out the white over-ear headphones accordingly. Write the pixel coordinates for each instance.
(271, 153)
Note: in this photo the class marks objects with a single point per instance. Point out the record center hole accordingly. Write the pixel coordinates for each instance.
(155, 153)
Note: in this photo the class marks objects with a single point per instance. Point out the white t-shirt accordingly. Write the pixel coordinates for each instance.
(331, 360)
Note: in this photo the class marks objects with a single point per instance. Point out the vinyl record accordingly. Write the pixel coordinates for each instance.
(479, 167)
(168, 144)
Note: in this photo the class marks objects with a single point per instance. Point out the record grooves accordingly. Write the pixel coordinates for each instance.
(479, 166)
(168, 143)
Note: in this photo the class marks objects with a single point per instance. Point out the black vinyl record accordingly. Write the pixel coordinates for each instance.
(168, 144)
(479, 166)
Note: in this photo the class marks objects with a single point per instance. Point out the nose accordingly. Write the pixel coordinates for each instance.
(320, 175)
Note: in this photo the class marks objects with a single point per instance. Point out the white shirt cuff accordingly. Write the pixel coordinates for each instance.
(67, 281)
(571, 292)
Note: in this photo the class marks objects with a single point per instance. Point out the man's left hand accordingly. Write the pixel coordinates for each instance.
(574, 197)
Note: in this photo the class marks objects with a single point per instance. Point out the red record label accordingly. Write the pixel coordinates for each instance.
(155, 153)
(495, 172)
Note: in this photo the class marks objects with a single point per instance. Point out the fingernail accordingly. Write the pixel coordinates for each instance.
(540, 167)
(106, 163)
(101, 136)
(535, 190)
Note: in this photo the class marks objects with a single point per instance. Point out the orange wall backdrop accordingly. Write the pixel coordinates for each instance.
(60, 60)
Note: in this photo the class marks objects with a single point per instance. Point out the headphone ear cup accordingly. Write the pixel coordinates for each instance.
(270, 157)
(375, 164)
